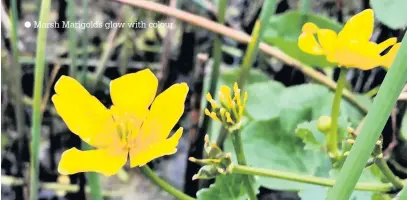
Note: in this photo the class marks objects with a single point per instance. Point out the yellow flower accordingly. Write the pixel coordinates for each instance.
(231, 109)
(130, 127)
(351, 46)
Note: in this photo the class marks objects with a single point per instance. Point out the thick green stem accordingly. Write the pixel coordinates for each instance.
(384, 168)
(241, 159)
(72, 38)
(239, 169)
(37, 114)
(336, 108)
(163, 184)
(374, 123)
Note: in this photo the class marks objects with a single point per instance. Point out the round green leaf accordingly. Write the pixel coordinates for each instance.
(263, 98)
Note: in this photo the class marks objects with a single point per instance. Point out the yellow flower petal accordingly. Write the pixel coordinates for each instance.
(211, 101)
(386, 44)
(358, 54)
(134, 92)
(387, 60)
(359, 27)
(308, 44)
(229, 118)
(310, 28)
(83, 113)
(214, 116)
(102, 161)
(225, 96)
(144, 152)
(327, 39)
(207, 112)
(165, 112)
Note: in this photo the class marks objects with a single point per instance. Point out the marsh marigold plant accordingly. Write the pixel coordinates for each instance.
(351, 46)
(130, 128)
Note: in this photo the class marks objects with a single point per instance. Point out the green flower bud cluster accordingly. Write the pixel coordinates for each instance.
(216, 163)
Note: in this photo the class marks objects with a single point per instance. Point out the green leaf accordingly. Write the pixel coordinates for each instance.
(263, 95)
(291, 117)
(267, 145)
(404, 127)
(283, 32)
(310, 135)
(392, 13)
(226, 187)
(303, 96)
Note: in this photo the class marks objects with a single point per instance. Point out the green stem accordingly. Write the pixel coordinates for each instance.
(163, 184)
(127, 44)
(37, 114)
(93, 179)
(241, 159)
(223, 133)
(217, 58)
(336, 108)
(372, 127)
(217, 48)
(107, 51)
(371, 93)
(16, 73)
(384, 168)
(13, 181)
(239, 169)
(269, 6)
(72, 38)
(85, 43)
(305, 6)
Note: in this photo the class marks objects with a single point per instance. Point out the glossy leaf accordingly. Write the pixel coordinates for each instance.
(263, 98)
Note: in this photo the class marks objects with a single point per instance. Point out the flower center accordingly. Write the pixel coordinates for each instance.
(125, 126)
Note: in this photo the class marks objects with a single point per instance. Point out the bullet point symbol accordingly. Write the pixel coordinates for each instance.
(27, 24)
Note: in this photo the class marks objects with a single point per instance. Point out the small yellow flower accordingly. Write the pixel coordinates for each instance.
(351, 46)
(130, 127)
(231, 109)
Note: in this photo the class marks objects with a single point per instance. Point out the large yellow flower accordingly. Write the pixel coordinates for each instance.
(129, 127)
(351, 46)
